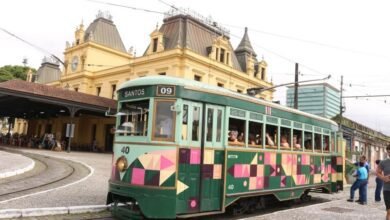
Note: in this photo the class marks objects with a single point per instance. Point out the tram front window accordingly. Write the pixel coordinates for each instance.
(164, 123)
(133, 118)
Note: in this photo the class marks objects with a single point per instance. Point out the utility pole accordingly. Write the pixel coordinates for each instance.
(341, 102)
(296, 87)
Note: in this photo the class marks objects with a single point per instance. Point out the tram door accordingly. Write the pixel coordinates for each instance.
(200, 174)
(188, 185)
(213, 159)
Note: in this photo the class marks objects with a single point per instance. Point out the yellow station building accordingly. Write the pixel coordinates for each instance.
(96, 62)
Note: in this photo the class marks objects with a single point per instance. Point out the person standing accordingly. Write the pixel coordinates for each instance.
(379, 185)
(383, 172)
(361, 180)
(363, 188)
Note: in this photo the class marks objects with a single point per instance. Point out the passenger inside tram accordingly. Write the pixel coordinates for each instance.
(270, 142)
(283, 142)
(233, 135)
(296, 142)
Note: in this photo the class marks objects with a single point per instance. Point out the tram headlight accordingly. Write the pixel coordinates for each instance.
(121, 164)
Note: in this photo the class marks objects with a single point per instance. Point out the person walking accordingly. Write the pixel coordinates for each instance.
(383, 172)
(379, 185)
(361, 181)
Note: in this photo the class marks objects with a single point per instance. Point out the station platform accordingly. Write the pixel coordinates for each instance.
(13, 164)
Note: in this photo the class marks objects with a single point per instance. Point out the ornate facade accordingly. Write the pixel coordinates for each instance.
(96, 62)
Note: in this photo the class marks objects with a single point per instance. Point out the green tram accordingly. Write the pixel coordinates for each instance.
(185, 149)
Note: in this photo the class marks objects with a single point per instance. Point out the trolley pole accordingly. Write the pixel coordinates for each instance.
(296, 87)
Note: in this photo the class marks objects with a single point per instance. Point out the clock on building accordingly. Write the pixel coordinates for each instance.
(75, 63)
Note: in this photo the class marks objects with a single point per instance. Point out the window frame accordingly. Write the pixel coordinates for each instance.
(214, 143)
(189, 142)
(146, 138)
(173, 137)
(244, 118)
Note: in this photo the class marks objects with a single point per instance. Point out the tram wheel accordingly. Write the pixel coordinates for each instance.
(305, 198)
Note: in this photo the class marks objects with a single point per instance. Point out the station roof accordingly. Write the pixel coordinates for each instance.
(28, 100)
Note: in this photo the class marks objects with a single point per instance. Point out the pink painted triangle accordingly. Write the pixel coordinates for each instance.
(283, 181)
(245, 171)
(165, 163)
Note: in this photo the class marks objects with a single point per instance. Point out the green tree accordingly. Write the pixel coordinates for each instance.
(9, 72)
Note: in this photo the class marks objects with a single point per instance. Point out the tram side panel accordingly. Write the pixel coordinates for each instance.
(256, 172)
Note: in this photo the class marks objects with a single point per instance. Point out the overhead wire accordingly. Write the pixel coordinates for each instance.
(313, 70)
(128, 7)
(32, 45)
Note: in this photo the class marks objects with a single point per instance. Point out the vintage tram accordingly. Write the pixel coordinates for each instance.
(183, 149)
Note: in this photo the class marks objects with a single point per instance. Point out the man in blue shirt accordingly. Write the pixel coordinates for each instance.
(362, 188)
(361, 180)
(383, 172)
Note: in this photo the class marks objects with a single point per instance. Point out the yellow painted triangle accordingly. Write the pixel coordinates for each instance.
(164, 175)
(180, 187)
(156, 162)
(145, 160)
(254, 161)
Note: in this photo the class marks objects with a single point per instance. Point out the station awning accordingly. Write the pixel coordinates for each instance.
(21, 99)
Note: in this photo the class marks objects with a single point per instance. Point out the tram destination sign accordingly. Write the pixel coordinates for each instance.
(166, 90)
(133, 93)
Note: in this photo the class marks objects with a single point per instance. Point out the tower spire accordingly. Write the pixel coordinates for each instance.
(245, 45)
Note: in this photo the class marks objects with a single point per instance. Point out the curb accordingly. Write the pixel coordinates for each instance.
(34, 212)
(29, 167)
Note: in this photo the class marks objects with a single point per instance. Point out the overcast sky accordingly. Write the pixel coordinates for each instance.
(349, 38)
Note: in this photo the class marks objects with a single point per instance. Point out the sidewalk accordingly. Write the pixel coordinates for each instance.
(14, 164)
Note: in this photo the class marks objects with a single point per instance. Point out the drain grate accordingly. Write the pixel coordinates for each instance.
(338, 210)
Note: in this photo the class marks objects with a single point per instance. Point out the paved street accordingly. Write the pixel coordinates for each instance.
(86, 190)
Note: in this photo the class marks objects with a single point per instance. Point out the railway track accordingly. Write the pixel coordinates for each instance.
(48, 173)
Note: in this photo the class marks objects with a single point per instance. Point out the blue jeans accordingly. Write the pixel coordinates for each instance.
(378, 189)
(362, 186)
(362, 189)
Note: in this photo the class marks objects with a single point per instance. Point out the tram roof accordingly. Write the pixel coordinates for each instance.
(195, 85)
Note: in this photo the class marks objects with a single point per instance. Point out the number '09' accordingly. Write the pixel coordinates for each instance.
(166, 91)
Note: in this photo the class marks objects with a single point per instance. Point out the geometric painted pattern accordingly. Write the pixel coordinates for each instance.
(155, 168)
(210, 169)
(272, 170)
(194, 173)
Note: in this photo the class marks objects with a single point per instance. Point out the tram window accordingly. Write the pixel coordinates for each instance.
(236, 131)
(317, 142)
(255, 134)
(285, 138)
(184, 126)
(210, 118)
(271, 136)
(195, 123)
(219, 125)
(308, 141)
(297, 140)
(164, 121)
(325, 143)
(133, 118)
